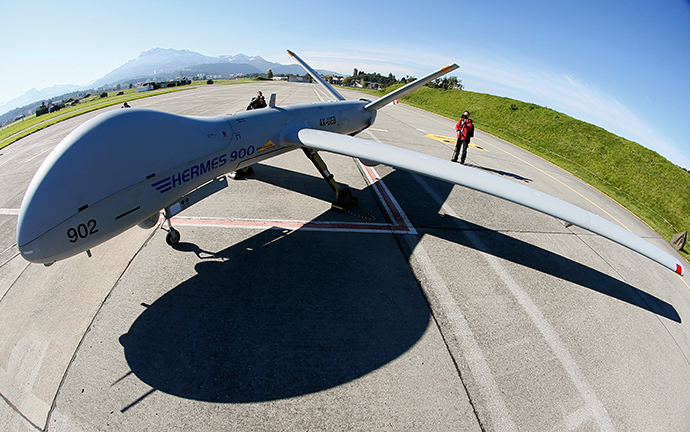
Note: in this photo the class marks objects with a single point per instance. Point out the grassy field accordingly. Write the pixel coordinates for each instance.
(647, 184)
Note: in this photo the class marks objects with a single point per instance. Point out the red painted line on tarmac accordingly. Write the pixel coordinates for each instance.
(289, 225)
(390, 204)
(400, 225)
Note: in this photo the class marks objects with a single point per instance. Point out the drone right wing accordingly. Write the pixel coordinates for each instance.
(481, 181)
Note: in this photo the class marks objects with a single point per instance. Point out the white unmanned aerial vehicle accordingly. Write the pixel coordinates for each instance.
(121, 168)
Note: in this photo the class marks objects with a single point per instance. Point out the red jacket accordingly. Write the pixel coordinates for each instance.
(465, 129)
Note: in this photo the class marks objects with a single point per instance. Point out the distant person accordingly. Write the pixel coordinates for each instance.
(465, 131)
(126, 105)
(257, 102)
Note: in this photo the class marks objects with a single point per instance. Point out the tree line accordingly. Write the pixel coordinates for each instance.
(363, 79)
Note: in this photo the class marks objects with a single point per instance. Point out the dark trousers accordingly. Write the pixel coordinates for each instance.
(461, 144)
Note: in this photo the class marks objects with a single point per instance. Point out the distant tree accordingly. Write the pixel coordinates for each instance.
(269, 74)
(407, 79)
(446, 83)
(366, 78)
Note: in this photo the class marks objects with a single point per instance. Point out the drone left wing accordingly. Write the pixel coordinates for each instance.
(317, 76)
(481, 181)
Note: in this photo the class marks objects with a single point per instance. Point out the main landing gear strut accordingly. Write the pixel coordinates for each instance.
(343, 196)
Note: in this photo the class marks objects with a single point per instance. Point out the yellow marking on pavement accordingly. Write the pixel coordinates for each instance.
(452, 141)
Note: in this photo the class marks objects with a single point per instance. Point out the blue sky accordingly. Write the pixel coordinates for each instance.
(622, 64)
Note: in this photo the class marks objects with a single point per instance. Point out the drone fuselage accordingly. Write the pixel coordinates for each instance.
(121, 168)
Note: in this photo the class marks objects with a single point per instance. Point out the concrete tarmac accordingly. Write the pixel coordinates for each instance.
(452, 310)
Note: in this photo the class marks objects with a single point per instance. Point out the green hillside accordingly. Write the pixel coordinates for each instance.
(644, 182)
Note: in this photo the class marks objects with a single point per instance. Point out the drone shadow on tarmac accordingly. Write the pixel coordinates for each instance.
(288, 313)
(280, 315)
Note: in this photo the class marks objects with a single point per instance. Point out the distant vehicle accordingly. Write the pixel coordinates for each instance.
(56, 106)
(43, 109)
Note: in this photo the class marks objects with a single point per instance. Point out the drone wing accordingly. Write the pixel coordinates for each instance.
(382, 101)
(317, 76)
(390, 97)
(481, 181)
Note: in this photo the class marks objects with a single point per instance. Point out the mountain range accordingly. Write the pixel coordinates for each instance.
(159, 64)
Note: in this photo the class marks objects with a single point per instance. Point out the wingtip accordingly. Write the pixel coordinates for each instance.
(291, 53)
(679, 269)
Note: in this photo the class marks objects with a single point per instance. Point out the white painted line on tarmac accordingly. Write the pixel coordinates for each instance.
(10, 259)
(593, 405)
(41, 153)
(390, 204)
(474, 357)
(318, 93)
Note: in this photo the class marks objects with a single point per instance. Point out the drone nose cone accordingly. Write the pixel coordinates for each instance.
(26, 232)
(80, 195)
(33, 223)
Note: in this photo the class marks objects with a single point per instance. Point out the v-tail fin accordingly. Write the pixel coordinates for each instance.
(329, 88)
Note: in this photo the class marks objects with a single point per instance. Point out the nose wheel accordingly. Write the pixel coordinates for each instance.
(173, 237)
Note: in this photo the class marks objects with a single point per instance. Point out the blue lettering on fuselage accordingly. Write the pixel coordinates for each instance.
(189, 174)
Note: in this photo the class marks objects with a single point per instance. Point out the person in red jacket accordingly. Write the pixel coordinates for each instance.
(465, 131)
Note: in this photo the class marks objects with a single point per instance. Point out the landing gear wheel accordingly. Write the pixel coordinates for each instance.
(241, 173)
(173, 237)
(345, 198)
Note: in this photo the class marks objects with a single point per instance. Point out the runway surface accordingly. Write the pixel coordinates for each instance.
(447, 310)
